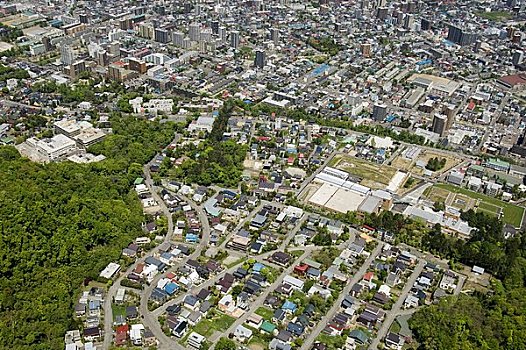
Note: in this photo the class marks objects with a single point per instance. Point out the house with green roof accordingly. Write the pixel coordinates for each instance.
(267, 327)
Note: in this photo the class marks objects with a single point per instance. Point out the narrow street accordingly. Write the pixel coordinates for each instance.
(337, 303)
(397, 307)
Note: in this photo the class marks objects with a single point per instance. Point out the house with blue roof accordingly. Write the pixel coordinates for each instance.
(258, 267)
(211, 207)
(289, 306)
(171, 288)
(191, 238)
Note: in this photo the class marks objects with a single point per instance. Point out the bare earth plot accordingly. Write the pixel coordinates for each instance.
(373, 175)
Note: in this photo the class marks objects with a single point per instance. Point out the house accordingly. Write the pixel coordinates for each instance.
(411, 301)
(284, 335)
(226, 304)
(393, 278)
(205, 306)
(281, 258)
(289, 306)
(448, 282)
(136, 332)
(358, 335)
(356, 290)
(242, 334)
(195, 340)
(180, 328)
(254, 320)
(191, 302)
(204, 294)
(296, 329)
(301, 269)
(279, 316)
(194, 318)
(357, 247)
(159, 296)
(367, 280)
(276, 344)
(394, 341)
(293, 282)
(131, 312)
(313, 273)
(92, 333)
(242, 300)
(380, 298)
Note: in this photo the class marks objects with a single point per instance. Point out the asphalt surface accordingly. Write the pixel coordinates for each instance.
(307, 344)
(397, 307)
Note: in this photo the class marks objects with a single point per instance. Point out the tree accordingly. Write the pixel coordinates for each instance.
(225, 344)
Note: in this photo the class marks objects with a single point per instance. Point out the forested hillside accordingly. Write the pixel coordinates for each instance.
(61, 223)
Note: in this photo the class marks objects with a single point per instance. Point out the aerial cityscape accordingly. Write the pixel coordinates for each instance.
(263, 174)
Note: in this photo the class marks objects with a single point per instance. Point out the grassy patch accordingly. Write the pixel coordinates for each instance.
(512, 214)
(495, 16)
(371, 173)
(118, 310)
(234, 263)
(265, 313)
(220, 323)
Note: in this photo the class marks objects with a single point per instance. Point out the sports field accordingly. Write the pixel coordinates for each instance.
(464, 199)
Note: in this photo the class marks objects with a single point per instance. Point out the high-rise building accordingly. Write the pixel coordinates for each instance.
(518, 57)
(439, 124)
(460, 36)
(234, 39)
(67, 56)
(366, 49)
(161, 35)
(409, 21)
(425, 24)
(215, 27)
(478, 46)
(221, 32)
(260, 60)
(274, 35)
(193, 31)
(379, 112)
(381, 13)
(205, 35)
(177, 39)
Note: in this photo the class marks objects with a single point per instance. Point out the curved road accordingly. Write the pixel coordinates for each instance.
(108, 315)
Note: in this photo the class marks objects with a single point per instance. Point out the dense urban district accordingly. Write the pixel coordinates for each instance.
(277, 174)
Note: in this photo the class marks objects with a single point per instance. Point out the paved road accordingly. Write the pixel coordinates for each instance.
(261, 298)
(149, 318)
(242, 223)
(313, 175)
(307, 344)
(108, 316)
(395, 311)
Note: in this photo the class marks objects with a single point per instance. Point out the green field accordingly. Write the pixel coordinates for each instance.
(265, 313)
(512, 214)
(207, 327)
(118, 310)
(496, 16)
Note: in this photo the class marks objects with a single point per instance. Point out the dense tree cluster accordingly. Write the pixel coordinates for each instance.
(435, 163)
(481, 321)
(215, 161)
(325, 45)
(12, 73)
(61, 223)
